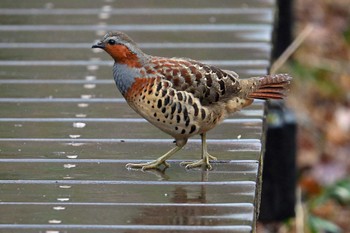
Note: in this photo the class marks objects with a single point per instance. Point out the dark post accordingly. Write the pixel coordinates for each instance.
(283, 27)
(279, 170)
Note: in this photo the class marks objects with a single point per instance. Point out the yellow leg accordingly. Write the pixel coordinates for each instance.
(155, 163)
(206, 157)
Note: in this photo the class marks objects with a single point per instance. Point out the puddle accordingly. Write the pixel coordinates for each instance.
(90, 78)
(79, 125)
(59, 208)
(68, 165)
(76, 144)
(83, 105)
(86, 96)
(92, 67)
(89, 86)
(55, 221)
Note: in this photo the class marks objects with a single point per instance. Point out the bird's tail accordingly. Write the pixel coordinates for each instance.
(273, 86)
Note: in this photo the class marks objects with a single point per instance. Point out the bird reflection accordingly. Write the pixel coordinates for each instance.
(159, 173)
(196, 213)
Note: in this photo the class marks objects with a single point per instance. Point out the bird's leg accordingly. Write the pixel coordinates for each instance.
(206, 157)
(155, 163)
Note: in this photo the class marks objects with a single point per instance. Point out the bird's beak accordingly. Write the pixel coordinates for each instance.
(99, 44)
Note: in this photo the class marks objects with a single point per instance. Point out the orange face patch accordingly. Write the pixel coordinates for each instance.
(122, 54)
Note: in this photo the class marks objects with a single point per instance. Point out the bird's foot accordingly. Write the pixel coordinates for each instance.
(149, 165)
(199, 163)
(155, 163)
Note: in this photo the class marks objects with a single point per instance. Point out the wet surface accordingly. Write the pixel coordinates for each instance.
(66, 133)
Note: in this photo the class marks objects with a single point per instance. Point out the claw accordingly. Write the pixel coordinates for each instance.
(149, 165)
(199, 163)
(206, 157)
(155, 163)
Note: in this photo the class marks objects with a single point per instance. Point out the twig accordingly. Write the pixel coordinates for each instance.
(299, 213)
(291, 48)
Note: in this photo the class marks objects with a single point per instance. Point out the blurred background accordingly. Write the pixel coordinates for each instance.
(320, 99)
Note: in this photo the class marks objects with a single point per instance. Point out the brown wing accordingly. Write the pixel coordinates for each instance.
(207, 83)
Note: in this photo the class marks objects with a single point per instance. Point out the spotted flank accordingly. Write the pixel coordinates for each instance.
(177, 113)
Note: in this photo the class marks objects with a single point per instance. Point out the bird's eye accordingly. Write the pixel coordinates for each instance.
(111, 42)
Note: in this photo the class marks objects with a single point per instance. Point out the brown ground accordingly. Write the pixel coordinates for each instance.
(320, 97)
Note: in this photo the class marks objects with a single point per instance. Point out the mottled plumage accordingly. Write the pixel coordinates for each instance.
(182, 97)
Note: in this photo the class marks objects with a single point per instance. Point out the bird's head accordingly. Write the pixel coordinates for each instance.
(121, 48)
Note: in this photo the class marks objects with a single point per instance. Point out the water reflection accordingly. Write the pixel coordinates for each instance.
(159, 173)
(181, 194)
(196, 212)
(185, 215)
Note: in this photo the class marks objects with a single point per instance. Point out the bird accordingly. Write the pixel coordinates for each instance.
(180, 96)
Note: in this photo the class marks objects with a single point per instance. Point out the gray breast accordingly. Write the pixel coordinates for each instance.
(124, 76)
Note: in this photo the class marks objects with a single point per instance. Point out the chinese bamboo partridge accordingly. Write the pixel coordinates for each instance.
(180, 96)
